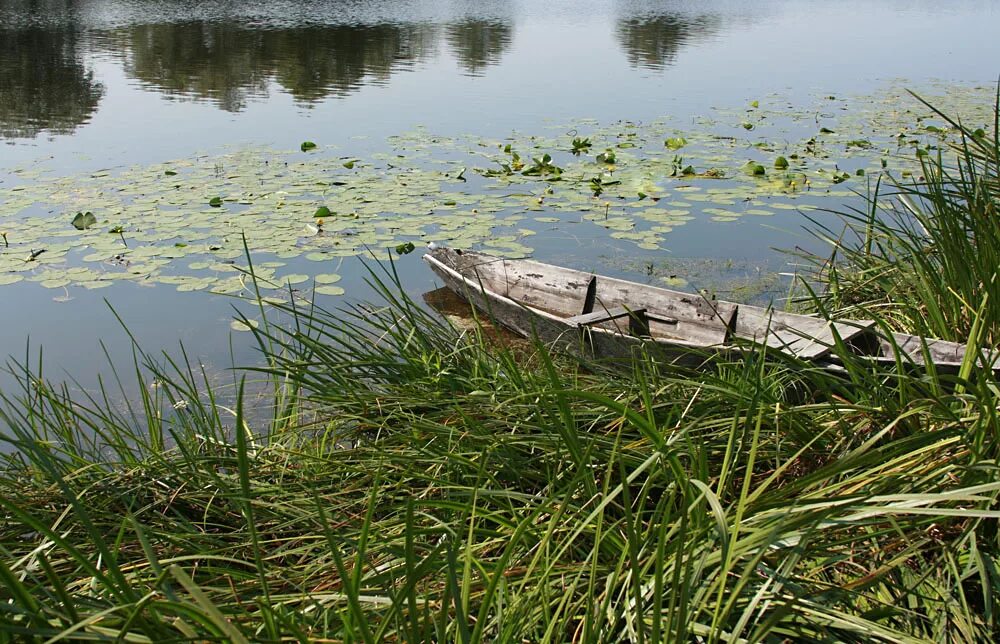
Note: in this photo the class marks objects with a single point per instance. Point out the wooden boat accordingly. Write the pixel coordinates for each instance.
(607, 317)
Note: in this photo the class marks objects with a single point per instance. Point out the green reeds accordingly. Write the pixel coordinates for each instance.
(416, 482)
(448, 489)
(924, 256)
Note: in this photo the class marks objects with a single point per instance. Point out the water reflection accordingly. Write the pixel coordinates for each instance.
(654, 41)
(228, 64)
(317, 62)
(44, 84)
(479, 43)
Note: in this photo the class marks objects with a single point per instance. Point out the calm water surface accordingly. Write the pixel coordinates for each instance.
(91, 84)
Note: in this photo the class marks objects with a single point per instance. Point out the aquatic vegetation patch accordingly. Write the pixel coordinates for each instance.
(182, 222)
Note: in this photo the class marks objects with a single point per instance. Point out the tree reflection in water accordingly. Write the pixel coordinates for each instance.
(44, 84)
(228, 64)
(654, 41)
(479, 43)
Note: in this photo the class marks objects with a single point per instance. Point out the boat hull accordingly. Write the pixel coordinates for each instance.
(543, 301)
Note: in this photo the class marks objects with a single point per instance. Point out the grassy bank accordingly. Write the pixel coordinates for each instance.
(416, 482)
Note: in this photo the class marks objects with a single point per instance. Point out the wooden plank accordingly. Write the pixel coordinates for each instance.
(818, 340)
(685, 307)
(705, 335)
(604, 316)
(662, 319)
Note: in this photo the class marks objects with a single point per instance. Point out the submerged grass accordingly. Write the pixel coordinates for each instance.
(416, 482)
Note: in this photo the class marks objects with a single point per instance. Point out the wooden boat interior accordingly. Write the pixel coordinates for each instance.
(607, 304)
(600, 302)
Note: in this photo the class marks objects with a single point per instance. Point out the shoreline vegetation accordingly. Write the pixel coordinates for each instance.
(419, 482)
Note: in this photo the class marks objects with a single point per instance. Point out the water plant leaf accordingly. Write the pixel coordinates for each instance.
(84, 220)
(307, 145)
(405, 248)
(240, 325)
(321, 212)
(215, 202)
(608, 156)
(675, 143)
(327, 278)
(267, 193)
(329, 290)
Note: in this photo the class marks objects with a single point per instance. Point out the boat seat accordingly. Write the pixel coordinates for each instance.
(638, 324)
(698, 320)
(709, 332)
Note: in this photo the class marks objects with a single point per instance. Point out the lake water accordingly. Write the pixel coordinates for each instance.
(100, 96)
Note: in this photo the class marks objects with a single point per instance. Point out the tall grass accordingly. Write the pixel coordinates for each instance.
(416, 482)
(453, 490)
(925, 254)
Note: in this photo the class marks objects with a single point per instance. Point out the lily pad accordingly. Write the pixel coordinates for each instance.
(329, 290)
(10, 278)
(84, 220)
(171, 229)
(240, 325)
(327, 278)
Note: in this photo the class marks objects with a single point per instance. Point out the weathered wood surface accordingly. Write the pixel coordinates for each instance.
(571, 308)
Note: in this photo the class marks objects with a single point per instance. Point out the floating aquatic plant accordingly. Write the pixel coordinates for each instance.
(171, 217)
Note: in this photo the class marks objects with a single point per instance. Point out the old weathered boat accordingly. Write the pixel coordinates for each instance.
(607, 317)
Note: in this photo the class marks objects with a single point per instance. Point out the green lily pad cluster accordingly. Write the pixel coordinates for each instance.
(183, 223)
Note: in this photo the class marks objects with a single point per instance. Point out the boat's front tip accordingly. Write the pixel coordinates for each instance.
(442, 254)
(434, 252)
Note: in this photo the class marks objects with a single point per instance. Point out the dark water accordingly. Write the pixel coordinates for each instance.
(104, 83)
